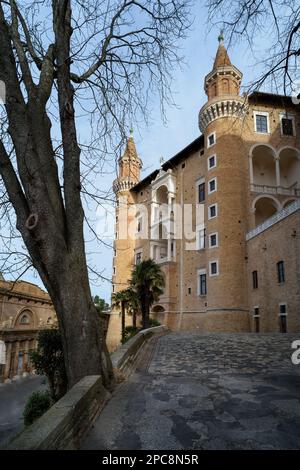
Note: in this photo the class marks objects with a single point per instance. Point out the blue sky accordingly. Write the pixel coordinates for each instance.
(158, 139)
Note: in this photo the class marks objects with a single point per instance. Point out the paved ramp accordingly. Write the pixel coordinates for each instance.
(206, 391)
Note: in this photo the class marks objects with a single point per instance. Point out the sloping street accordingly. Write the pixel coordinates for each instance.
(206, 391)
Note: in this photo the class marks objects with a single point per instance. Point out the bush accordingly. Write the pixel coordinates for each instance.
(153, 322)
(48, 360)
(129, 332)
(37, 404)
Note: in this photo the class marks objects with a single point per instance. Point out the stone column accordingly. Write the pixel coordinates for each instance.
(26, 358)
(251, 169)
(277, 166)
(15, 365)
(8, 360)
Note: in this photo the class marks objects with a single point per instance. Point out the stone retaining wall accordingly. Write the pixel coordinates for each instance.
(67, 422)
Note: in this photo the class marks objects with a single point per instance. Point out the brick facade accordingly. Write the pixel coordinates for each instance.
(251, 170)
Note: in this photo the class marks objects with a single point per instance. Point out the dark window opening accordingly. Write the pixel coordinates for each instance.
(201, 192)
(212, 211)
(280, 271)
(213, 268)
(202, 284)
(255, 279)
(287, 126)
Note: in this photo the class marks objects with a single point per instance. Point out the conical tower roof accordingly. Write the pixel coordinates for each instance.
(222, 57)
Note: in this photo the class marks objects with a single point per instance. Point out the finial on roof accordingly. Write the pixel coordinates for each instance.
(221, 37)
(131, 131)
(161, 161)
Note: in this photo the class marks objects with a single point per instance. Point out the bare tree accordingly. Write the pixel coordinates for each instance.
(278, 21)
(101, 60)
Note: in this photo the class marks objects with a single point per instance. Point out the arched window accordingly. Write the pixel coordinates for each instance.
(24, 320)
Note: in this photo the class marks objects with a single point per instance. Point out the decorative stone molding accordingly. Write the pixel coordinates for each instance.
(220, 107)
(123, 185)
(293, 207)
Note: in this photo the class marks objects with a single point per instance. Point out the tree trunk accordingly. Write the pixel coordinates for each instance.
(123, 320)
(84, 345)
(134, 318)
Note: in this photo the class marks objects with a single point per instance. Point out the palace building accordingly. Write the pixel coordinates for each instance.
(25, 309)
(221, 217)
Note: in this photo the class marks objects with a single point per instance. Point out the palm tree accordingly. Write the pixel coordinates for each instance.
(133, 304)
(119, 299)
(148, 282)
(127, 299)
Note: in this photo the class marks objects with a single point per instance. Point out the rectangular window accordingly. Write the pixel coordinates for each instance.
(256, 319)
(254, 279)
(212, 186)
(287, 122)
(280, 271)
(201, 239)
(261, 122)
(115, 253)
(211, 162)
(282, 318)
(213, 268)
(138, 257)
(114, 270)
(202, 287)
(211, 139)
(212, 211)
(213, 240)
(201, 192)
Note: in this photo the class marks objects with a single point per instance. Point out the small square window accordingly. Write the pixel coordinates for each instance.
(212, 162)
(256, 311)
(211, 139)
(213, 240)
(261, 123)
(212, 211)
(213, 268)
(282, 309)
(287, 125)
(212, 186)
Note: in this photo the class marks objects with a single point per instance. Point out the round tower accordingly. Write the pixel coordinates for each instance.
(123, 261)
(220, 121)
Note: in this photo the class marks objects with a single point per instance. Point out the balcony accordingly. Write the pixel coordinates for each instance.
(275, 190)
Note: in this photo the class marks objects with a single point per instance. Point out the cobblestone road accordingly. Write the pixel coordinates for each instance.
(206, 391)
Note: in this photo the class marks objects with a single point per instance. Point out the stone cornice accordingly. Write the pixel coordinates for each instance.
(227, 70)
(220, 107)
(123, 184)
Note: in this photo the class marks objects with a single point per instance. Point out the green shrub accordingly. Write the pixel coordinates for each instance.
(129, 332)
(37, 404)
(153, 322)
(48, 360)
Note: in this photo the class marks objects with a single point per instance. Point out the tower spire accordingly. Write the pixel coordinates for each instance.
(130, 165)
(225, 78)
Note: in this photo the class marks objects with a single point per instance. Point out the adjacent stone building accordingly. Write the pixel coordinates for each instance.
(223, 208)
(24, 310)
